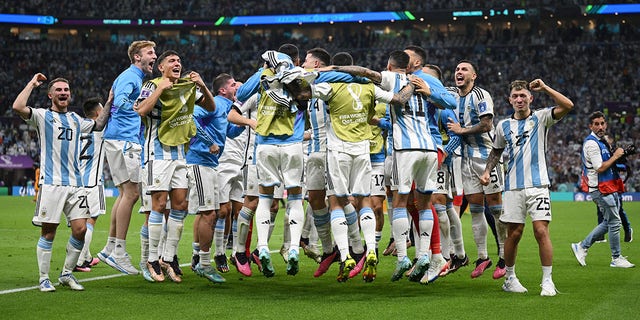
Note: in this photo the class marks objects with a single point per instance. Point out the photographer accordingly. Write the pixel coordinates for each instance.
(621, 166)
(603, 183)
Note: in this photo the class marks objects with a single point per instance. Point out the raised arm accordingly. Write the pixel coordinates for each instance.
(101, 121)
(207, 97)
(563, 104)
(20, 104)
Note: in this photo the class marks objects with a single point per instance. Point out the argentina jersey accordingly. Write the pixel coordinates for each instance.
(153, 148)
(317, 118)
(411, 126)
(59, 135)
(91, 158)
(471, 107)
(524, 142)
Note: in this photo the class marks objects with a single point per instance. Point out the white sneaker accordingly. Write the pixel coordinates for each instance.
(47, 286)
(548, 288)
(580, 253)
(70, 281)
(435, 268)
(122, 264)
(621, 262)
(512, 284)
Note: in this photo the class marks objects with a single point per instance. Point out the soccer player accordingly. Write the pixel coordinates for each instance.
(123, 149)
(166, 104)
(202, 159)
(601, 179)
(91, 167)
(524, 137)
(62, 187)
(475, 110)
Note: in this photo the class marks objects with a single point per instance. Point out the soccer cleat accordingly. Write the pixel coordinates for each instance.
(359, 258)
(345, 268)
(512, 284)
(580, 253)
(195, 259)
(435, 270)
(145, 272)
(155, 271)
(628, 235)
(47, 286)
(210, 273)
(390, 247)
(548, 288)
(621, 262)
(325, 262)
(242, 264)
(293, 262)
(93, 262)
(481, 266)
(445, 269)
(501, 269)
(457, 263)
(85, 267)
(170, 269)
(401, 267)
(221, 263)
(312, 252)
(370, 267)
(284, 252)
(102, 256)
(122, 264)
(256, 259)
(176, 265)
(265, 260)
(419, 268)
(69, 280)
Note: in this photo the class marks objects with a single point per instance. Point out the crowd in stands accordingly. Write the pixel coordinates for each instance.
(201, 9)
(589, 67)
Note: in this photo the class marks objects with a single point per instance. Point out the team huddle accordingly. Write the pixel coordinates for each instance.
(343, 137)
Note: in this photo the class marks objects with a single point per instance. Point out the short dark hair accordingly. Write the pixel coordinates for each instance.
(90, 105)
(399, 59)
(290, 50)
(320, 54)
(436, 69)
(165, 54)
(596, 115)
(54, 81)
(220, 81)
(518, 85)
(342, 59)
(419, 51)
(473, 66)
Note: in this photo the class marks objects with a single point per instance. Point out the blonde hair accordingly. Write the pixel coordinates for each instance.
(136, 46)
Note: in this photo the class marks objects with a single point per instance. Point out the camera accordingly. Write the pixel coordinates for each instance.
(629, 150)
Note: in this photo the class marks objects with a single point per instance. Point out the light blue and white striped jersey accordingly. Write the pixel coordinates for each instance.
(92, 158)
(317, 118)
(471, 107)
(59, 135)
(411, 126)
(153, 148)
(250, 110)
(525, 142)
(235, 152)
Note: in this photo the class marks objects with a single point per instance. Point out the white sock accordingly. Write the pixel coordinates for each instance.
(443, 221)
(501, 228)
(43, 253)
(205, 258)
(85, 255)
(155, 231)
(546, 272)
(426, 227)
(74, 247)
(456, 231)
(263, 221)
(400, 229)
(218, 236)
(175, 225)
(245, 216)
(355, 240)
(339, 229)
(108, 248)
(368, 226)
(144, 243)
(479, 227)
(121, 248)
(296, 220)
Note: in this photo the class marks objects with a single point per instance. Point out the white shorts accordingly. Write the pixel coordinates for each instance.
(251, 187)
(348, 174)
(124, 161)
(444, 181)
(533, 201)
(377, 179)
(145, 194)
(55, 200)
(415, 166)
(456, 174)
(388, 173)
(97, 201)
(203, 188)
(316, 173)
(165, 175)
(230, 183)
(280, 164)
(472, 169)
